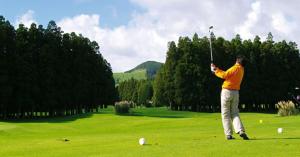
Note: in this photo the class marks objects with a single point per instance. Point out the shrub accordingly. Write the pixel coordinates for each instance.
(286, 108)
(123, 107)
(148, 104)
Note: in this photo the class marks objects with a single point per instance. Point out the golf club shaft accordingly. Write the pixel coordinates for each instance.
(210, 45)
(211, 56)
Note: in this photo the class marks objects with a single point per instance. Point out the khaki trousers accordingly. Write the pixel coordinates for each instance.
(230, 111)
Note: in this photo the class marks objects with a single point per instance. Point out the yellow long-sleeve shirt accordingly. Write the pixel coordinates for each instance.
(233, 77)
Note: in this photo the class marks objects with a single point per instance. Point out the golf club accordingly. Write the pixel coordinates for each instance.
(210, 34)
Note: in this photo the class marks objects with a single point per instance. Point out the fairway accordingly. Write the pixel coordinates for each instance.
(167, 133)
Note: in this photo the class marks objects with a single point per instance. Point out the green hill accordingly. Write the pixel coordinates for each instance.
(137, 74)
(143, 71)
(150, 66)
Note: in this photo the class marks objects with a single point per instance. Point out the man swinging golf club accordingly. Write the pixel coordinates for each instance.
(230, 96)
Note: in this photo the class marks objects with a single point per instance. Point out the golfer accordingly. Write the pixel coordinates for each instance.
(230, 97)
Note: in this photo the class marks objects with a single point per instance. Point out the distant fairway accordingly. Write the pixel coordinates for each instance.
(168, 134)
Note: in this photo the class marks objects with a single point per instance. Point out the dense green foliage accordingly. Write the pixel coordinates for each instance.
(151, 68)
(186, 83)
(137, 75)
(50, 72)
(122, 107)
(167, 133)
(138, 91)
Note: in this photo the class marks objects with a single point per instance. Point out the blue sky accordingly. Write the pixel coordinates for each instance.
(130, 32)
(112, 12)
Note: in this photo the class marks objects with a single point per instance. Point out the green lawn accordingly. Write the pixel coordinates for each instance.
(168, 134)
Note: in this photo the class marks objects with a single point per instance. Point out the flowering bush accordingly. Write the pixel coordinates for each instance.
(286, 108)
(123, 107)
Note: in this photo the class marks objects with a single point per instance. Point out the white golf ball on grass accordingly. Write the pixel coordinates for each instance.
(142, 141)
(280, 130)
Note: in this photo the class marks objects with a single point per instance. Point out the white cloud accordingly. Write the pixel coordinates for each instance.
(88, 25)
(252, 18)
(125, 46)
(281, 24)
(146, 35)
(27, 19)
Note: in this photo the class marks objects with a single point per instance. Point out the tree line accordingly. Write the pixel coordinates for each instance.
(47, 72)
(139, 92)
(185, 82)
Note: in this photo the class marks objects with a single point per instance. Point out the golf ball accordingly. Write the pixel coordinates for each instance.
(260, 121)
(142, 141)
(279, 130)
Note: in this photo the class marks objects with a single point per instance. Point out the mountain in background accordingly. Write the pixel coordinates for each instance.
(146, 70)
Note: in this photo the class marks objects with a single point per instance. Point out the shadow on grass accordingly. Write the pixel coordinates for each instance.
(158, 112)
(58, 119)
(138, 112)
(62, 119)
(277, 138)
(157, 115)
(146, 144)
(149, 144)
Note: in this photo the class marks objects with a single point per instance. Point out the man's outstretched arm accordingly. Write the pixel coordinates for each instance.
(223, 74)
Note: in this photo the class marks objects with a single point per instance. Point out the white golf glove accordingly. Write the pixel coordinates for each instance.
(212, 68)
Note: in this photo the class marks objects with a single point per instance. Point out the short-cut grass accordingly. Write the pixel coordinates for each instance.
(167, 133)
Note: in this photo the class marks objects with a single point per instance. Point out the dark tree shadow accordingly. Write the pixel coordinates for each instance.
(157, 115)
(61, 119)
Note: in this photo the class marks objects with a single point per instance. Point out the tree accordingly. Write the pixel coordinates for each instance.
(44, 72)
(159, 98)
(145, 92)
(7, 66)
(186, 80)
